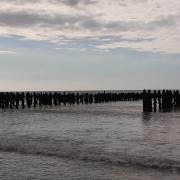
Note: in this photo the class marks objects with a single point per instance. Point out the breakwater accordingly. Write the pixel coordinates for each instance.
(160, 100)
(152, 100)
(33, 99)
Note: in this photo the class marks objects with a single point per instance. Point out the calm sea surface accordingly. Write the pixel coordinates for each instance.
(98, 141)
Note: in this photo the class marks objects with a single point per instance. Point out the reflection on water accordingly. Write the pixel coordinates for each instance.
(115, 134)
(146, 116)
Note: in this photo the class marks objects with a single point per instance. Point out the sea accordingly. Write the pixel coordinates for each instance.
(90, 142)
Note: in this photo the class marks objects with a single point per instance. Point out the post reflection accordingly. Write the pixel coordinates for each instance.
(146, 116)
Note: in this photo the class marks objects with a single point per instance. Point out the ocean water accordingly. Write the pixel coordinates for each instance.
(95, 141)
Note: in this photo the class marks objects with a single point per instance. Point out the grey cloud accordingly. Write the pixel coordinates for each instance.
(130, 2)
(139, 1)
(27, 19)
(66, 2)
(168, 20)
(161, 22)
(74, 2)
(18, 19)
(92, 24)
(24, 19)
(21, 1)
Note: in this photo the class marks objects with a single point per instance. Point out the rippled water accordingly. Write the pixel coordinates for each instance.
(99, 141)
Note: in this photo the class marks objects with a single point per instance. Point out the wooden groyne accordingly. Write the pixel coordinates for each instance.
(160, 100)
(152, 100)
(33, 99)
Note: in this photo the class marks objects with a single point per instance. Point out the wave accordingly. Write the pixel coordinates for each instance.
(117, 159)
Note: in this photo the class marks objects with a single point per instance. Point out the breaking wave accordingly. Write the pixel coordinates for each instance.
(95, 155)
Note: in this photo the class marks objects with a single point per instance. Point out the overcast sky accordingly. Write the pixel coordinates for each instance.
(89, 44)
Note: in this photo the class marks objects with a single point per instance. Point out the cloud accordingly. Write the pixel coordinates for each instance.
(76, 2)
(6, 52)
(59, 20)
(25, 19)
(66, 2)
(28, 19)
(20, 2)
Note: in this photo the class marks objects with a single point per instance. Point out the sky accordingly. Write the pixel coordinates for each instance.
(89, 44)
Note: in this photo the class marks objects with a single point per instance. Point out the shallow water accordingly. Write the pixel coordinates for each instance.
(99, 141)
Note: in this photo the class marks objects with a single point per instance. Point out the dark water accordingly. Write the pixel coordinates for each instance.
(99, 141)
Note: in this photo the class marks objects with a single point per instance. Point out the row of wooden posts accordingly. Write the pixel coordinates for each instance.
(160, 100)
(33, 99)
(152, 100)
